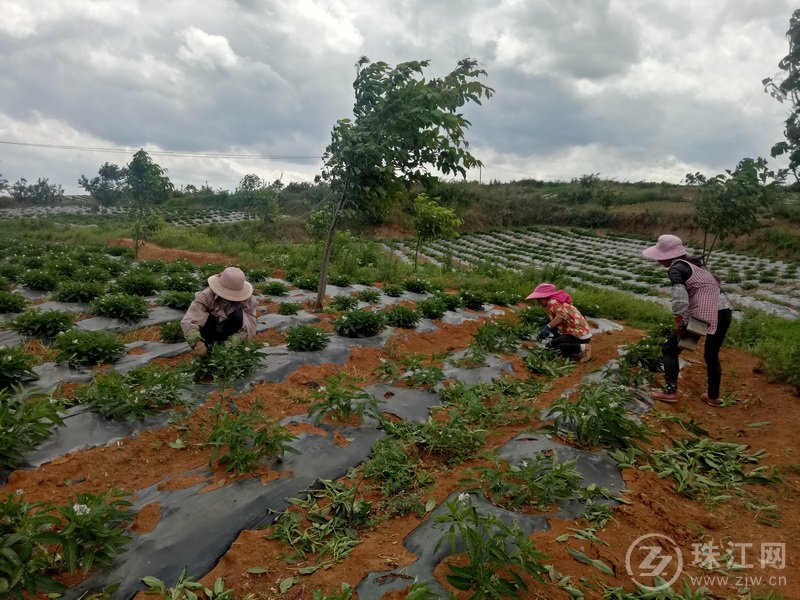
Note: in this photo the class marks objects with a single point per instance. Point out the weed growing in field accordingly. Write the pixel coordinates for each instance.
(241, 440)
(120, 306)
(179, 300)
(88, 347)
(359, 324)
(598, 417)
(548, 362)
(25, 421)
(400, 479)
(702, 468)
(136, 394)
(339, 399)
(501, 402)
(289, 308)
(187, 589)
(498, 554)
(15, 366)
(333, 513)
(43, 323)
(172, 333)
(11, 302)
(451, 440)
(415, 370)
(306, 338)
(541, 482)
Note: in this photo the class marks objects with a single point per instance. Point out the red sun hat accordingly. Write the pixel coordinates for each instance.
(543, 290)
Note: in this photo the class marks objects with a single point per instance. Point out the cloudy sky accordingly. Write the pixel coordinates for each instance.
(631, 89)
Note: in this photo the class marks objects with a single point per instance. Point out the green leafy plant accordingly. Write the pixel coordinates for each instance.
(78, 291)
(598, 417)
(369, 296)
(472, 299)
(399, 476)
(139, 282)
(647, 353)
(91, 532)
(451, 301)
(340, 280)
(417, 286)
(401, 316)
(88, 347)
(176, 299)
(274, 288)
(182, 282)
(497, 554)
(135, 394)
(172, 333)
(541, 482)
(306, 338)
(11, 302)
(415, 370)
(339, 399)
(25, 421)
(432, 308)
(226, 362)
(15, 366)
(450, 440)
(43, 323)
(40, 279)
(359, 324)
(501, 402)
(333, 514)
(341, 303)
(120, 306)
(393, 291)
(241, 440)
(289, 308)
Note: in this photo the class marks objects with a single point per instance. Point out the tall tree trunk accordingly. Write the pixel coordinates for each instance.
(326, 254)
(416, 253)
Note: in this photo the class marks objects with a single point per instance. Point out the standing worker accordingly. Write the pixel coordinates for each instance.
(225, 311)
(565, 323)
(697, 293)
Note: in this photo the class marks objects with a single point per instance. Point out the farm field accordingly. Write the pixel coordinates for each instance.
(331, 457)
(616, 262)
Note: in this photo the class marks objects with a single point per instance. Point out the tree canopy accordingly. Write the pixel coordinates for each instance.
(148, 184)
(432, 222)
(405, 128)
(786, 87)
(109, 185)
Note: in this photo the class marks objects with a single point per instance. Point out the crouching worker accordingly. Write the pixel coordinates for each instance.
(224, 312)
(565, 324)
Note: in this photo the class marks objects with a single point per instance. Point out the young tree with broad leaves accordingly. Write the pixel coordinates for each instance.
(432, 222)
(729, 204)
(108, 187)
(403, 126)
(148, 184)
(256, 194)
(41, 193)
(786, 87)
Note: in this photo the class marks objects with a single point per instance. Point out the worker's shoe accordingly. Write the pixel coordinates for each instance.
(585, 354)
(668, 395)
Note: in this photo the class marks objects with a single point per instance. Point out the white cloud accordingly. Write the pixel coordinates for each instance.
(206, 50)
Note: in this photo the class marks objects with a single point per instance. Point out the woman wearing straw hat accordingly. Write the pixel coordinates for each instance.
(565, 323)
(696, 292)
(225, 311)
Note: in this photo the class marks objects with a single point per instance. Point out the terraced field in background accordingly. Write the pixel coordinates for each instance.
(614, 262)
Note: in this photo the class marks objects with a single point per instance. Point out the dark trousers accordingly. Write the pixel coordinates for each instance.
(214, 331)
(710, 354)
(567, 345)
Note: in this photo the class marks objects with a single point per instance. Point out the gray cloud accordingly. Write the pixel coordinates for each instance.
(636, 87)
